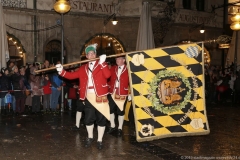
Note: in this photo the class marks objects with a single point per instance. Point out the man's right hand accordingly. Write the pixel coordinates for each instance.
(59, 68)
(102, 58)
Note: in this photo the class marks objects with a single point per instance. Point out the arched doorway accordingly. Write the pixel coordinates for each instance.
(53, 52)
(107, 44)
(16, 50)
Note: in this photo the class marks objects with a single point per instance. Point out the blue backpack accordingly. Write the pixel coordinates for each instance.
(8, 98)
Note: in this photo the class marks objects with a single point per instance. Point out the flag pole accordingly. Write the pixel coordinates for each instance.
(122, 54)
(79, 62)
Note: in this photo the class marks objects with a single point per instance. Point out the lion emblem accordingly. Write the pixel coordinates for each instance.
(168, 91)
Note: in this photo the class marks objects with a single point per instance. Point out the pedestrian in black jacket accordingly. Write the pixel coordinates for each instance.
(4, 88)
(19, 90)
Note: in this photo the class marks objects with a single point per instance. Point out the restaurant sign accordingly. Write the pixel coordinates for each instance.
(92, 6)
(209, 19)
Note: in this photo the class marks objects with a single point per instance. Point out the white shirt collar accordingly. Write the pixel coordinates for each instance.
(120, 67)
(91, 63)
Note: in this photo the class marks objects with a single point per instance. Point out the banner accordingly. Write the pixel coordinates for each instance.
(167, 86)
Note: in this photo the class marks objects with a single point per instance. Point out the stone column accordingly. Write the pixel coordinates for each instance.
(30, 4)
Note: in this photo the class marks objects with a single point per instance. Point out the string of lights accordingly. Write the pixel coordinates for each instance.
(39, 30)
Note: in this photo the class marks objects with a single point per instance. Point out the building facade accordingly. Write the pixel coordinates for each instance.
(34, 30)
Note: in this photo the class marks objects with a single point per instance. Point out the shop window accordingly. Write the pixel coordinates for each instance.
(53, 52)
(200, 5)
(186, 4)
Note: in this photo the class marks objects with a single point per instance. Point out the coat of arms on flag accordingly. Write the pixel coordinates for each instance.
(167, 86)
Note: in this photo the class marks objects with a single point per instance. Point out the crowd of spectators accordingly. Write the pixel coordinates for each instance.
(32, 93)
(222, 85)
(22, 91)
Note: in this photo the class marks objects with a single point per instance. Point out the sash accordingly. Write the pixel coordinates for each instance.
(101, 107)
(119, 100)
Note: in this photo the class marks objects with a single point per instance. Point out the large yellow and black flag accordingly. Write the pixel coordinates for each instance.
(167, 87)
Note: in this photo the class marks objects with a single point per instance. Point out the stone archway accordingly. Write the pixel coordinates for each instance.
(16, 50)
(107, 44)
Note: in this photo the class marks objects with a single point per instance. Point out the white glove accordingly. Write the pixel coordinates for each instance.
(129, 97)
(59, 68)
(102, 58)
(219, 82)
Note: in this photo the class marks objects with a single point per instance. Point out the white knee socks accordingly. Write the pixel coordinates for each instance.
(78, 118)
(100, 133)
(90, 130)
(112, 118)
(120, 122)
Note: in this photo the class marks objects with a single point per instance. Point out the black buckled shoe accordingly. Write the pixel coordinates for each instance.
(88, 142)
(99, 145)
(75, 128)
(111, 130)
(119, 133)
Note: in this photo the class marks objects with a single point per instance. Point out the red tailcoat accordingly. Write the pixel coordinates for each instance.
(100, 74)
(123, 81)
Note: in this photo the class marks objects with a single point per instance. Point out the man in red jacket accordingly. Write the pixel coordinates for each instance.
(118, 89)
(93, 90)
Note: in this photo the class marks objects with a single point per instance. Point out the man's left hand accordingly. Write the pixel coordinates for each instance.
(129, 97)
(59, 68)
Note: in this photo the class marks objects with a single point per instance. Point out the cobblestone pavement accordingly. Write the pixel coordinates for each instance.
(49, 137)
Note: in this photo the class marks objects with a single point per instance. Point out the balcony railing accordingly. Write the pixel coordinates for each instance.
(14, 3)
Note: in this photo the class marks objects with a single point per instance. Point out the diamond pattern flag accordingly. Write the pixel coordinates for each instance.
(167, 86)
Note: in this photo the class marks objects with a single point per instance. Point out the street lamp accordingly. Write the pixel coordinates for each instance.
(114, 19)
(202, 30)
(235, 26)
(62, 6)
(190, 30)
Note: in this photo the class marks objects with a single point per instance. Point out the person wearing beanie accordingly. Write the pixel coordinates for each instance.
(93, 90)
(118, 89)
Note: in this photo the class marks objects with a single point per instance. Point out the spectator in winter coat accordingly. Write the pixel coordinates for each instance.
(47, 91)
(237, 88)
(28, 88)
(10, 66)
(4, 87)
(28, 102)
(19, 90)
(35, 82)
(56, 83)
